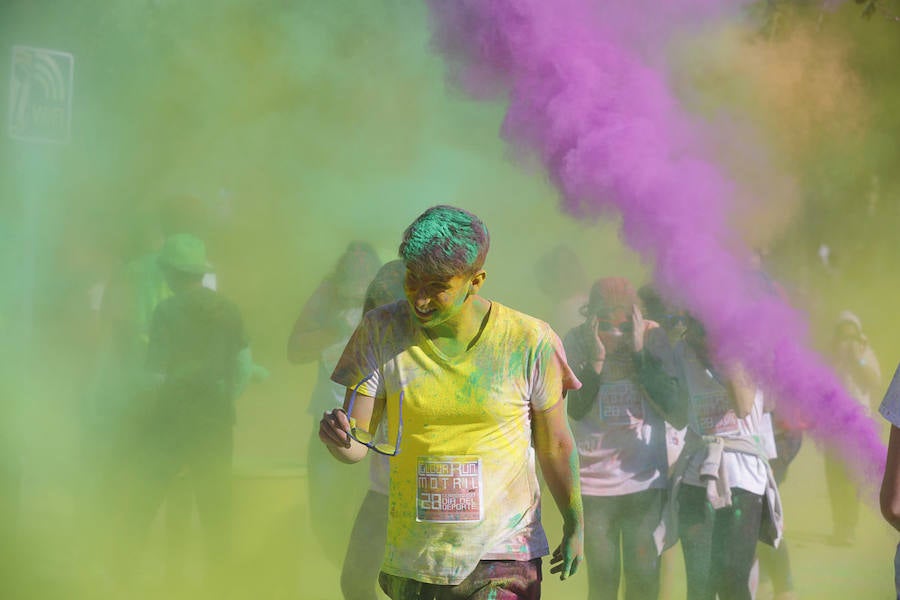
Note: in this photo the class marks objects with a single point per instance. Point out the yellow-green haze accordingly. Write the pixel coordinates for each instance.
(298, 127)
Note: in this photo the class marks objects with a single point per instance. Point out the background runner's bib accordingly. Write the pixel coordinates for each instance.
(621, 403)
(449, 489)
(714, 413)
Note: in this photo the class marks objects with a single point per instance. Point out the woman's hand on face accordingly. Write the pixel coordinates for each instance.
(594, 344)
(639, 328)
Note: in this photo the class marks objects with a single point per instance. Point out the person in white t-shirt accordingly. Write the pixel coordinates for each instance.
(621, 439)
(723, 496)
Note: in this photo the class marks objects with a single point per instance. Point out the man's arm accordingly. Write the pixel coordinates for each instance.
(890, 485)
(335, 425)
(558, 458)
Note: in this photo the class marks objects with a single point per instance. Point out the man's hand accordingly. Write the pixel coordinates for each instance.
(334, 429)
(569, 554)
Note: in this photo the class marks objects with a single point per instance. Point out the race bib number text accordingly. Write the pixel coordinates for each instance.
(448, 489)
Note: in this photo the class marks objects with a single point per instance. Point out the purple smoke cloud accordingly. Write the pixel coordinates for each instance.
(585, 97)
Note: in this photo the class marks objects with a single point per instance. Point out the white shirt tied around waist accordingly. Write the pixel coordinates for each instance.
(705, 455)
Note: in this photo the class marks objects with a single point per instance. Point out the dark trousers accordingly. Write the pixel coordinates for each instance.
(618, 534)
(719, 545)
(203, 452)
(491, 580)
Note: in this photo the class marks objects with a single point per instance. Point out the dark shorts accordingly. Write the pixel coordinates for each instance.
(491, 580)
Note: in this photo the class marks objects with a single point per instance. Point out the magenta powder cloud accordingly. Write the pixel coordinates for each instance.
(583, 95)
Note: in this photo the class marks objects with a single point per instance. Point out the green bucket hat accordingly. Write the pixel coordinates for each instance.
(185, 253)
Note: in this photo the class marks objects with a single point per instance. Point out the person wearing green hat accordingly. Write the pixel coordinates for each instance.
(198, 363)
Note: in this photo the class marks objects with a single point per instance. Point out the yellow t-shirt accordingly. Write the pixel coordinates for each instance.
(463, 487)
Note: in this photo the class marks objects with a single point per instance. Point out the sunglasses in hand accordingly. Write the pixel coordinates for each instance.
(367, 439)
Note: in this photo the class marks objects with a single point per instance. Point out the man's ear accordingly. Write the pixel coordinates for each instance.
(475, 282)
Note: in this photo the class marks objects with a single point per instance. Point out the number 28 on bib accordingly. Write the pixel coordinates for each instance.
(449, 489)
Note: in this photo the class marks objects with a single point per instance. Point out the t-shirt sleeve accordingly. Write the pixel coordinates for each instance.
(552, 377)
(359, 363)
(890, 406)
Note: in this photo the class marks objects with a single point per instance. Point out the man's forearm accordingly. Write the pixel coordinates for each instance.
(559, 465)
(355, 453)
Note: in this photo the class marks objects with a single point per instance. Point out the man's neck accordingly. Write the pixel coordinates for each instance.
(459, 334)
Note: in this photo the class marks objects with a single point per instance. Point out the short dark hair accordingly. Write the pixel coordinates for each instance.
(445, 241)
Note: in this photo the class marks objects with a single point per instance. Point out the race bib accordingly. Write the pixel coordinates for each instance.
(715, 415)
(621, 403)
(448, 489)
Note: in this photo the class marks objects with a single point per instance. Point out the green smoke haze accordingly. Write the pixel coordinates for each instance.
(298, 127)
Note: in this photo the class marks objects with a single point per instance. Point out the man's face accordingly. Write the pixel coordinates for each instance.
(437, 300)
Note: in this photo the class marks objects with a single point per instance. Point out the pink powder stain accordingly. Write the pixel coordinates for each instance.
(611, 135)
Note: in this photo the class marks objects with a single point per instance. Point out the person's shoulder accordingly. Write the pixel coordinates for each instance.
(576, 332)
(228, 305)
(391, 315)
(522, 324)
(391, 310)
(205, 299)
(168, 308)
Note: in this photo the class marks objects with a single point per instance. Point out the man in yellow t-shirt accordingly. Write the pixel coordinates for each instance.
(473, 392)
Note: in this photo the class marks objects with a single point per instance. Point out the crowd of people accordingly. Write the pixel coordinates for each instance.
(642, 436)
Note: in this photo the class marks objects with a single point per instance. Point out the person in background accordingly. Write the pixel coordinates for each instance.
(320, 333)
(621, 440)
(890, 484)
(198, 364)
(111, 413)
(673, 322)
(723, 496)
(359, 572)
(857, 366)
(473, 392)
